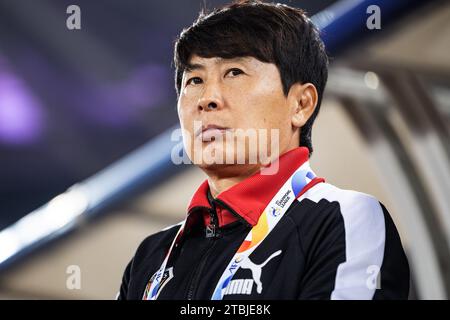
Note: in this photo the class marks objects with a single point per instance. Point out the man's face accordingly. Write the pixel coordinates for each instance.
(218, 97)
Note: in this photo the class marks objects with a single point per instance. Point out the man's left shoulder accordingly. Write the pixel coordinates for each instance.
(350, 203)
(354, 213)
(359, 226)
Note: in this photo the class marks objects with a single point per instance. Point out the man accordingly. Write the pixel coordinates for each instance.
(262, 226)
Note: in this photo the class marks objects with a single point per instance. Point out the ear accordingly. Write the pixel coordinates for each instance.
(302, 99)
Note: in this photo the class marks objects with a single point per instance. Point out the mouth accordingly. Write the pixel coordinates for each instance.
(210, 132)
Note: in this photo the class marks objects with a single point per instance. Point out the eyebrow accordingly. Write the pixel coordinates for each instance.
(198, 66)
(194, 66)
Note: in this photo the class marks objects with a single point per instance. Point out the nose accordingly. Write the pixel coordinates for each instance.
(211, 99)
(210, 106)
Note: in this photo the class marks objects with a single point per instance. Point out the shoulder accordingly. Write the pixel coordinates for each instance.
(355, 207)
(157, 240)
(348, 217)
(165, 235)
(140, 262)
(357, 229)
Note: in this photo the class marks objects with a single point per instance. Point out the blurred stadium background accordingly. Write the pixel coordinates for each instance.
(93, 109)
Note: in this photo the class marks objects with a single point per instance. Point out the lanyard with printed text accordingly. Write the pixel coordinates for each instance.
(267, 221)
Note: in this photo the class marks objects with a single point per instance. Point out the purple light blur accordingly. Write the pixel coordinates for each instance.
(20, 112)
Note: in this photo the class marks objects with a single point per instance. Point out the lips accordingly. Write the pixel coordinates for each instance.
(210, 132)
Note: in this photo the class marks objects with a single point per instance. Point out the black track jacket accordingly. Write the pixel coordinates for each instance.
(331, 244)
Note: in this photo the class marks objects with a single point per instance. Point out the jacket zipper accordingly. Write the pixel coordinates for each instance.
(212, 233)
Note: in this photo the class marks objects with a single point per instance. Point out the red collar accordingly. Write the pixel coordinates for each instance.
(251, 196)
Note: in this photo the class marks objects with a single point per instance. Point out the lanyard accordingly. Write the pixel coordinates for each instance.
(267, 221)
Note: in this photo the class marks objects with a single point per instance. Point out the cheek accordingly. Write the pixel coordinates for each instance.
(264, 109)
(186, 124)
(184, 116)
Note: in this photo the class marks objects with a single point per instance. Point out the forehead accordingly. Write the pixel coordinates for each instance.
(196, 62)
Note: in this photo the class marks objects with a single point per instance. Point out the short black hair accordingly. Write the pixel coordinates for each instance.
(270, 32)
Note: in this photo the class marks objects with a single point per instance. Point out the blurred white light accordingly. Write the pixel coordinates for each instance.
(371, 80)
(8, 245)
(42, 222)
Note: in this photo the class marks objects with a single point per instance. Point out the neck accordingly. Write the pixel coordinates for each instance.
(219, 183)
(228, 176)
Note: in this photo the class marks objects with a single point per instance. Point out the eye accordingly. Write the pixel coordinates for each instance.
(235, 71)
(194, 80)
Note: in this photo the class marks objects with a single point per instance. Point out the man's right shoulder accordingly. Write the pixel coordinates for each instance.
(156, 243)
(158, 240)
